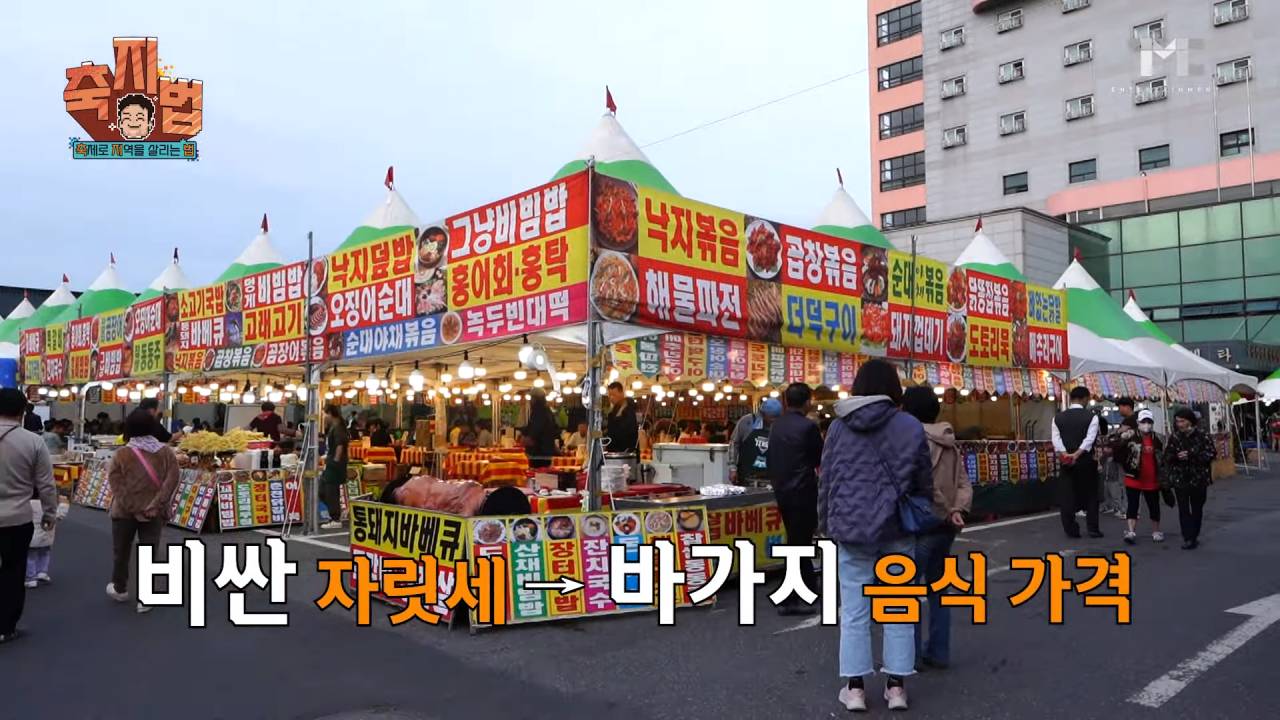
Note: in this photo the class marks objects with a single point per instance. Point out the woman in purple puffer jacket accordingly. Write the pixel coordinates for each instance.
(874, 454)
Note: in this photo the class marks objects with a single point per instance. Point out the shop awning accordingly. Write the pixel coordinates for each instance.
(105, 293)
(393, 214)
(1110, 340)
(982, 255)
(1269, 389)
(1226, 378)
(843, 218)
(171, 278)
(617, 155)
(260, 255)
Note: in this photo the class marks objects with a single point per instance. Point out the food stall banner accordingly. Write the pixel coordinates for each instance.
(31, 350)
(576, 545)
(78, 342)
(192, 500)
(93, 490)
(261, 320)
(390, 531)
(55, 354)
(256, 498)
(662, 260)
(108, 341)
(149, 337)
(997, 322)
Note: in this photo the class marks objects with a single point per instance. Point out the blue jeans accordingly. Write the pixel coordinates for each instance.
(857, 569)
(931, 552)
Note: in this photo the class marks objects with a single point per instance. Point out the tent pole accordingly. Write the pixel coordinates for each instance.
(1257, 423)
(591, 397)
(311, 438)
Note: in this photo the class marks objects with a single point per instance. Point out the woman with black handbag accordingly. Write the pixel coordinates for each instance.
(875, 488)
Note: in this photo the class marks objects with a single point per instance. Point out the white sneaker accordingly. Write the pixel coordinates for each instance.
(44, 578)
(1080, 513)
(117, 596)
(853, 699)
(331, 525)
(1157, 536)
(1130, 537)
(896, 697)
(30, 583)
(143, 609)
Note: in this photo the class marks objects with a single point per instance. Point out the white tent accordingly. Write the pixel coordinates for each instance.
(1221, 376)
(260, 255)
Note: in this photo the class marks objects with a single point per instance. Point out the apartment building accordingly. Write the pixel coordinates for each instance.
(1105, 114)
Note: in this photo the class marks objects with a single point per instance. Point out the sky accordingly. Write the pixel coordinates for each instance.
(306, 104)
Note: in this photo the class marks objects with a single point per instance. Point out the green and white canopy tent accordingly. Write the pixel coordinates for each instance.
(54, 305)
(105, 293)
(983, 256)
(1102, 338)
(10, 328)
(394, 214)
(616, 154)
(1269, 389)
(171, 278)
(260, 255)
(1224, 377)
(843, 218)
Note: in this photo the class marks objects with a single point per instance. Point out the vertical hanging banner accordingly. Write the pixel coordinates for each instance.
(79, 346)
(917, 307)
(372, 283)
(108, 332)
(150, 336)
(990, 320)
(1045, 327)
(55, 354)
(31, 350)
(671, 351)
(648, 357)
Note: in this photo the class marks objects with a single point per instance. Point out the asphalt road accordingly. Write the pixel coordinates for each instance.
(86, 657)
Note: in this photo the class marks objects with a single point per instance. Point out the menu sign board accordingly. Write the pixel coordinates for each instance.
(388, 531)
(372, 283)
(79, 343)
(108, 331)
(576, 545)
(998, 322)
(31, 349)
(149, 329)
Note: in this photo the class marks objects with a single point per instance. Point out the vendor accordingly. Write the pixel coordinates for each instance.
(56, 438)
(484, 434)
(151, 407)
(749, 445)
(379, 436)
(540, 434)
(269, 423)
(577, 440)
(621, 427)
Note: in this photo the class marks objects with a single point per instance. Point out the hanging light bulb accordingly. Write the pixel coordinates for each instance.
(939, 390)
(336, 382)
(964, 392)
(267, 390)
(276, 396)
(457, 401)
(728, 389)
(525, 355)
(504, 388)
(613, 374)
(351, 393)
(708, 387)
(630, 393)
(446, 378)
(742, 397)
(719, 397)
(372, 380)
(395, 385)
(481, 370)
(302, 392)
(135, 396)
(835, 388)
(655, 388)
(994, 397)
(637, 384)
(290, 387)
(520, 375)
(43, 391)
(465, 369)
(773, 393)
(64, 393)
(693, 392)
(416, 381)
(539, 382)
(328, 395)
(248, 398)
(383, 383)
(506, 397)
(842, 395)
(213, 386)
(122, 392)
(151, 392)
(358, 384)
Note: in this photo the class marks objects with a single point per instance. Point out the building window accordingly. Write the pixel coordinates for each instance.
(1076, 53)
(1230, 11)
(902, 72)
(1236, 142)
(953, 87)
(902, 171)
(1234, 71)
(1150, 91)
(902, 218)
(1082, 171)
(1152, 31)
(1073, 5)
(1013, 123)
(955, 136)
(898, 23)
(1080, 107)
(901, 122)
(1153, 158)
(1011, 71)
(1009, 20)
(953, 37)
(1016, 183)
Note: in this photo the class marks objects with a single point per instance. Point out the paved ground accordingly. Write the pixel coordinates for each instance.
(85, 657)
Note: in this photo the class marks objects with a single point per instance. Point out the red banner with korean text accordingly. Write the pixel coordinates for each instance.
(79, 345)
(106, 362)
(150, 336)
(372, 283)
(31, 350)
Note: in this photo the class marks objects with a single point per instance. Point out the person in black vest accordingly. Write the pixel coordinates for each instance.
(1075, 430)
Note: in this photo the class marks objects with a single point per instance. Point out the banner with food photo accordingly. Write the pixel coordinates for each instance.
(542, 548)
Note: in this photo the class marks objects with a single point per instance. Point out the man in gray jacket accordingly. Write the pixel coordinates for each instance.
(25, 471)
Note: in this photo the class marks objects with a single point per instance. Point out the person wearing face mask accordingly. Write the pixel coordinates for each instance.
(1143, 475)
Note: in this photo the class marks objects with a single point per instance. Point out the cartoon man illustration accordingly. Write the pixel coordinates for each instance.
(135, 116)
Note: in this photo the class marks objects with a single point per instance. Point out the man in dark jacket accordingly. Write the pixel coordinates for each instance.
(620, 424)
(1075, 431)
(795, 450)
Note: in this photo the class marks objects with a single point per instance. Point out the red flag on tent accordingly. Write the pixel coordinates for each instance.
(175, 255)
(390, 182)
(264, 222)
(113, 258)
(608, 101)
(839, 177)
(1132, 296)
(1077, 255)
(978, 227)
(65, 279)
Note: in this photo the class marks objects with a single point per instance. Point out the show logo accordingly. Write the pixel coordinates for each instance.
(133, 110)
